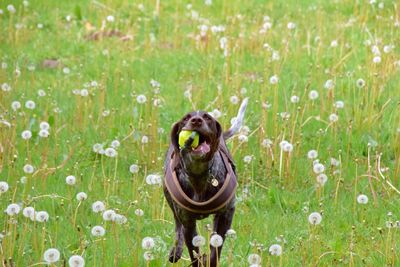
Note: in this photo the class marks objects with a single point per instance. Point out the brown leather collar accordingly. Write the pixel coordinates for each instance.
(216, 202)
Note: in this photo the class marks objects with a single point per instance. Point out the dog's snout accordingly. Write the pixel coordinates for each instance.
(196, 121)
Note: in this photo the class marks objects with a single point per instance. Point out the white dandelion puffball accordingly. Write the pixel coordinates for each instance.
(30, 104)
(41, 93)
(198, 241)
(322, 179)
(11, 9)
(139, 212)
(267, 143)
(76, 261)
(339, 104)
(81, 196)
(145, 139)
(153, 179)
(247, 159)
(318, 168)
(110, 152)
(273, 79)
(254, 259)
(291, 25)
(377, 59)
(329, 84)
(109, 215)
(44, 125)
(97, 147)
(230, 233)
(294, 99)
(13, 209)
(312, 154)
(15, 105)
(70, 180)
(134, 168)
(3, 187)
(5, 87)
(313, 95)
(51, 255)
(148, 256)
(120, 219)
(42, 216)
(84, 92)
(26, 134)
(98, 231)
(287, 147)
(275, 250)
(98, 206)
(362, 199)
(234, 100)
(243, 138)
(44, 133)
(141, 99)
(115, 144)
(148, 243)
(29, 169)
(315, 218)
(29, 212)
(333, 117)
(110, 18)
(360, 83)
(216, 241)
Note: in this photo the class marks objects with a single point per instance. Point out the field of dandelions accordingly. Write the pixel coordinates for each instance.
(90, 89)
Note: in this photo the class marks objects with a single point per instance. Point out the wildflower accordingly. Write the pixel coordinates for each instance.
(13, 209)
(318, 168)
(153, 179)
(333, 117)
(148, 243)
(254, 259)
(29, 212)
(335, 162)
(15, 105)
(273, 79)
(275, 250)
(30, 104)
(44, 125)
(76, 261)
(98, 231)
(3, 187)
(81, 196)
(334, 43)
(145, 139)
(110, 152)
(41, 93)
(70, 180)
(313, 95)
(42, 216)
(110, 18)
(339, 104)
(148, 256)
(5, 87)
(141, 99)
(115, 144)
(315, 218)
(109, 215)
(388, 48)
(362, 199)
(97, 147)
(266, 143)
(26, 134)
(286, 146)
(198, 241)
(11, 9)
(98, 206)
(51, 255)
(29, 168)
(322, 179)
(377, 59)
(66, 70)
(44, 133)
(360, 83)
(291, 26)
(294, 99)
(329, 84)
(120, 219)
(247, 159)
(216, 240)
(139, 212)
(243, 138)
(312, 154)
(134, 168)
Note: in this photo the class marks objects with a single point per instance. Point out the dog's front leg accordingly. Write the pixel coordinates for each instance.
(189, 231)
(176, 251)
(222, 223)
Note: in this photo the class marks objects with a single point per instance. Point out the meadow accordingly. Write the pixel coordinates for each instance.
(90, 90)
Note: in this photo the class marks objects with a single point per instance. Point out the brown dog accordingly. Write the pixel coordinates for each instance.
(200, 181)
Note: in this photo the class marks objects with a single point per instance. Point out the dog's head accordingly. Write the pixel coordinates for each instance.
(206, 126)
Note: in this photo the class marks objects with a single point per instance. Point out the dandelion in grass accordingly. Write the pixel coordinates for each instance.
(334, 162)
(145, 139)
(44, 133)
(115, 144)
(30, 104)
(28, 168)
(70, 180)
(29, 212)
(148, 243)
(291, 25)
(315, 218)
(247, 159)
(360, 83)
(81, 196)
(312, 154)
(120, 219)
(254, 259)
(97, 148)
(294, 99)
(339, 104)
(13, 209)
(334, 43)
(15, 105)
(267, 143)
(11, 9)
(273, 79)
(51, 255)
(388, 48)
(243, 138)
(275, 250)
(148, 256)
(134, 168)
(5, 87)
(3, 187)
(318, 168)
(98, 206)
(329, 84)
(109, 215)
(362, 199)
(313, 95)
(110, 152)
(110, 18)
(286, 146)
(42, 216)
(234, 100)
(139, 212)
(76, 261)
(198, 241)
(141, 99)
(26, 135)
(66, 70)
(84, 92)
(377, 59)
(98, 231)
(41, 93)
(333, 117)
(216, 240)
(322, 179)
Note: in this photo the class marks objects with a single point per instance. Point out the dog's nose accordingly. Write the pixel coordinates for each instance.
(196, 121)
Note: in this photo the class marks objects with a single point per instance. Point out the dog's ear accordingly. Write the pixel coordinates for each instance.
(175, 135)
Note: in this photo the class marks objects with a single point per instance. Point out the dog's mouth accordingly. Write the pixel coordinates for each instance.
(203, 147)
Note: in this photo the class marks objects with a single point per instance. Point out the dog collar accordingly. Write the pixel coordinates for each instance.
(216, 202)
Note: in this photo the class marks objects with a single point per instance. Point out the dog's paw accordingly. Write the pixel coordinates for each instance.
(175, 254)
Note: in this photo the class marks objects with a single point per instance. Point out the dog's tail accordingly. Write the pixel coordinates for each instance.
(238, 121)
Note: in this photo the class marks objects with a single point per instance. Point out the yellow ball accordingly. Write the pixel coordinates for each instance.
(184, 135)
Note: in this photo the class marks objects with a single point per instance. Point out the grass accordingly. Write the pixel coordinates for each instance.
(277, 189)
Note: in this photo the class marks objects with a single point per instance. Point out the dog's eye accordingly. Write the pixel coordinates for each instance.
(207, 117)
(187, 117)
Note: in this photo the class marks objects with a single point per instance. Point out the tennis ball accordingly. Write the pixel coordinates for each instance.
(184, 135)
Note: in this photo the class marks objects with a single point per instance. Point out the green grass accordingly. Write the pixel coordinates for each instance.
(275, 195)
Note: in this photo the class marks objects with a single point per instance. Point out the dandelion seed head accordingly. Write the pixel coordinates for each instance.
(42, 216)
(294, 99)
(234, 100)
(81, 196)
(98, 206)
(76, 261)
(273, 79)
(70, 180)
(15, 105)
(110, 152)
(333, 117)
(98, 231)
(134, 168)
(51, 255)
(3, 187)
(216, 240)
(109, 215)
(30, 104)
(148, 243)
(13, 209)
(275, 250)
(26, 135)
(360, 83)
(312, 154)
(28, 168)
(139, 212)
(318, 168)
(315, 218)
(313, 95)
(254, 259)
(198, 241)
(29, 212)
(44, 133)
(362, 199)
(322, 179)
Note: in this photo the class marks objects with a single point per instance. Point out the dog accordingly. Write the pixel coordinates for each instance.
(200, 181)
